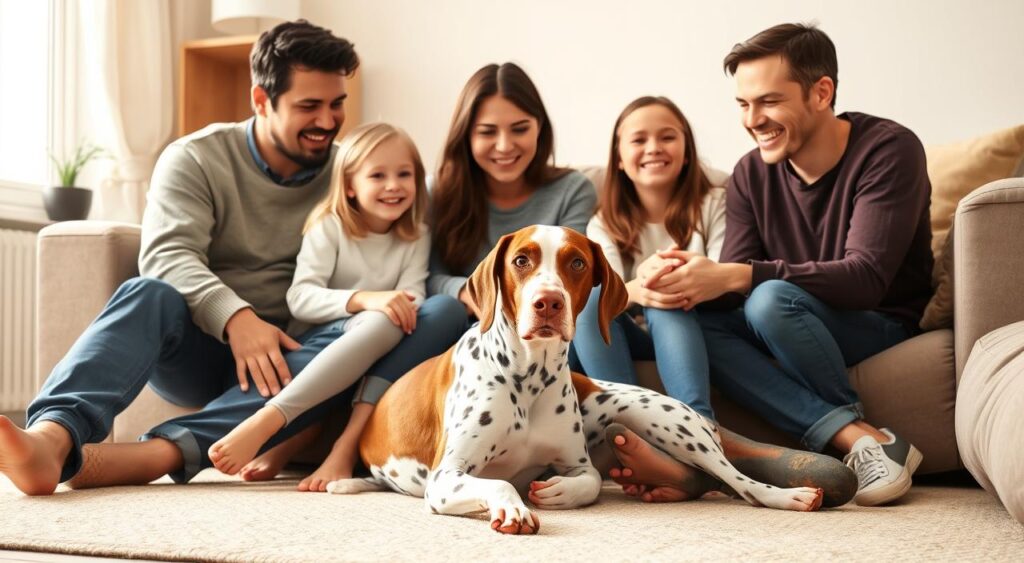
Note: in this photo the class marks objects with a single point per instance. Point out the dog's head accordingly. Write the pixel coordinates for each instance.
(544, 276)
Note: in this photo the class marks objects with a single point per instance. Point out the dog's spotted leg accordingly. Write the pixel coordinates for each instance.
(577, 482)
(675, 428)
(476, 422)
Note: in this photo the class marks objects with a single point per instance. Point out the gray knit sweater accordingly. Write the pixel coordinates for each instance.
(220, 231)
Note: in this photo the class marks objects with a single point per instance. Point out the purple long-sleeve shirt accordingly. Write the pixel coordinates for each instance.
(859, 238)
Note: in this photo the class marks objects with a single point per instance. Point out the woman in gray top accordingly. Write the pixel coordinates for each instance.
(496, 177)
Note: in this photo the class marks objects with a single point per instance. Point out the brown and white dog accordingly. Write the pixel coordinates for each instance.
(472, 428)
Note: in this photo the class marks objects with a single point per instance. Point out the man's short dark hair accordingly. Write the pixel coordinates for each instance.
(809, 52)
(297, 44)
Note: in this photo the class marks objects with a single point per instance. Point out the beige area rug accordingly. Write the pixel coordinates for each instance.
(216, 519)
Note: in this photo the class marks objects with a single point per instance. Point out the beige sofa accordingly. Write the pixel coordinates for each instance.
(911, 387)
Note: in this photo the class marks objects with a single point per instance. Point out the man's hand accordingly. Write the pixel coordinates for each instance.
(256, 346)
(399, 306)
(700, 279)
(471, 307)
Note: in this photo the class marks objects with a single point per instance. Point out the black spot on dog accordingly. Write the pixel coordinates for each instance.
(485, 418)
(493, 447)
(422, 472)
(602, 417)
(565, 389)
(532, 369)
(502, 359)
(691, 448)
(668, 408)
(576, 427)
(560, 409)
(465, 413)
(518, 426)
(475, 353)
(470, 468)
(513, 397)
(645, 400)
(592, 436)
(660, 441)
(703, 448)
(684, 430)
(519, 387)
(602, 398)
(443, 500)
(534, 390)
(458, 487)
(499, 379)
(416, 481)
(739, 478)
(622, 408)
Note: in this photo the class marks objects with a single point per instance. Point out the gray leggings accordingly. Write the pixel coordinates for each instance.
(365, 338)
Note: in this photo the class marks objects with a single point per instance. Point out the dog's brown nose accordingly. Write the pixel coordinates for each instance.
(547, 303)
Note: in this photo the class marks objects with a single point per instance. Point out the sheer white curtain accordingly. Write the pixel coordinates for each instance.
(128, 56)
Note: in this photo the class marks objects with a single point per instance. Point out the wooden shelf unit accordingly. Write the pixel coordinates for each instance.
(214, 85)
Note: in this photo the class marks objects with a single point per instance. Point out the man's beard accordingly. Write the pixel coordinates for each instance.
(306, 161)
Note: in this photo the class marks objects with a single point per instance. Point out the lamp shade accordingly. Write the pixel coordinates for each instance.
(243, 17)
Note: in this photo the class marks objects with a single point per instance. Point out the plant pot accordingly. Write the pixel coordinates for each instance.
(65, 203)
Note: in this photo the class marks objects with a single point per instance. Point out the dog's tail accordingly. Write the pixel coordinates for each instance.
(354, 486)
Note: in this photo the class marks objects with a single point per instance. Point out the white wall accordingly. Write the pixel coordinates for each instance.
(948, 69)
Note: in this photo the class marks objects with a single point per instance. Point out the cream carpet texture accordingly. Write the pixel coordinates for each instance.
(216, 519)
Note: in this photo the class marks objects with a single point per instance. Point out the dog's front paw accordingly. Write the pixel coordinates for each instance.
(514, 518)
(560, 493)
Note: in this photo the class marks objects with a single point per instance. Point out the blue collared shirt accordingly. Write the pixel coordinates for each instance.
(299, 178)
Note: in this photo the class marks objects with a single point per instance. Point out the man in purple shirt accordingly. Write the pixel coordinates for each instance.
(828, 240)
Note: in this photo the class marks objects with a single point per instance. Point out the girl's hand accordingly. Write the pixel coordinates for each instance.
(398, 305)
(647, 297)
(654, 267)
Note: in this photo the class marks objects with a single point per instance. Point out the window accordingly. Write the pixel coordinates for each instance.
(25, 70)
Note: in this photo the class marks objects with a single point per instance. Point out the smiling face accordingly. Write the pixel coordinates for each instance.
(503, 140)
(775, 110)
(652, 147)
(383, 187)
(297, 131)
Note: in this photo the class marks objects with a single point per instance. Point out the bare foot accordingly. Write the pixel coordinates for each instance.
(135, 463)
(32, 459)
(651, 474)
(240, 446)
(270, 463)
(338, 465)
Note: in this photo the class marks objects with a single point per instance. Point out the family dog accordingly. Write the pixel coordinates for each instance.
(470, 429)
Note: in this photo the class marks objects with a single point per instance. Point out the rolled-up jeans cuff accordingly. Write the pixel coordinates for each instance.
(819, 434)
(371, 389)
(73, 463)
(186, 442)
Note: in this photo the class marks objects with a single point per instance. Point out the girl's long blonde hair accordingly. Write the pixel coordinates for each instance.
(619, 205)
(352, 152)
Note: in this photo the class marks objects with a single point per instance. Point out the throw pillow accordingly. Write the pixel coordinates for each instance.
(956, 170)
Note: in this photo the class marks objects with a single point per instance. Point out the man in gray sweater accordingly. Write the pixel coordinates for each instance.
(220, 235)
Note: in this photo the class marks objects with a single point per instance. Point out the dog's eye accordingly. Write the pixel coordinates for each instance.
(578, 264)
(521, 261)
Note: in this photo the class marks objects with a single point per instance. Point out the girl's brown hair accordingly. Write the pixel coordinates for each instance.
(459, 210)
(352, 152)
(619, 205)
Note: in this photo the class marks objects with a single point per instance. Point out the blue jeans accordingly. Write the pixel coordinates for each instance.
(784, 356)
(145, 334)
(673, 340)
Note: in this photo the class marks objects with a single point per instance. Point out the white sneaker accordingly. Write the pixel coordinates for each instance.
(883, 469)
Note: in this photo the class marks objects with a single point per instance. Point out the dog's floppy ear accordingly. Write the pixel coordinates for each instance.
(613, 292)
(484, 284)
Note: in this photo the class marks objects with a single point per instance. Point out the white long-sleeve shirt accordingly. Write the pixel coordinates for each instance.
(331, 267)
(655, 237)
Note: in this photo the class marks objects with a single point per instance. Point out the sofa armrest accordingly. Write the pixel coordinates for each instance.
(80, 265)
(988, 263)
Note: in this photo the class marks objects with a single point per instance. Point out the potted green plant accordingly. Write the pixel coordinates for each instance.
(68, 202)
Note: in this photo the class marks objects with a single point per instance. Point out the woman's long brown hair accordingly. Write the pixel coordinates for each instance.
(459, 213)
(620, 207)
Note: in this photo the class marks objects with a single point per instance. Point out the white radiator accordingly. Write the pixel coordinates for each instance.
(17, 319)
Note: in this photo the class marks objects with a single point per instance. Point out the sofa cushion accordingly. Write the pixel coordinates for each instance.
(956, 170)
(989, 404)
